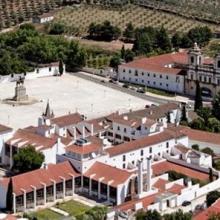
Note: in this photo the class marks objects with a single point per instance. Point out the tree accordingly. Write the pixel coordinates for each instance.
(216, 106)
(179, 215)
(186, 41)
(129, 32)
(212, 197)
(27, 159)
(205, 113)
(183, 115)
(195, 147)
(208, 150)
(129, 55)
(211, 178)
(96, 213)
(214, 216)
(76, 57)
(176, 41)
(9, 197)
(197, 123)
(123, 52)
(57, 29)
(61, 69)
(213, 125)
(115, 61)
(142, 45)
(149, 215)
(198, 98)
(163, 40)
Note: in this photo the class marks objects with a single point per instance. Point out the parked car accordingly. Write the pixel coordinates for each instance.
(140, 90)
(125, 86)
(186, 203)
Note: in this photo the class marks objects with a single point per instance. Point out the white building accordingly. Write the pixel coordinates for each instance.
(162, 72)
(41, 19)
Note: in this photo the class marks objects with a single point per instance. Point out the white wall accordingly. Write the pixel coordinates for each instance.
(174, 83)
(3, 195)
(3, 138)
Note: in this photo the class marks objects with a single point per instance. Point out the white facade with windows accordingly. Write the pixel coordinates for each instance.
(164, 81)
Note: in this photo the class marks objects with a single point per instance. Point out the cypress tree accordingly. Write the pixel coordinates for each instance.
(61, 67)
(9, 198)
(198, 98)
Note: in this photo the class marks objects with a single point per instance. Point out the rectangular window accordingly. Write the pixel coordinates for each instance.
(154, 75)
(161, 76)
(148, 74)
(124, 166)
(150, 150)
(142, 74)
(167, 77)
(210, 80)
(124, 71)
(124, 157)
(129, 71)
(167, 144)
(136, 73)
(142, 152)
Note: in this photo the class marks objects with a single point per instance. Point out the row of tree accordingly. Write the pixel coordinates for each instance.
(21, 49)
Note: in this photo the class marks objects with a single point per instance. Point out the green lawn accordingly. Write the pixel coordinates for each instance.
(160, 92)
(73, 208)
(45, 214)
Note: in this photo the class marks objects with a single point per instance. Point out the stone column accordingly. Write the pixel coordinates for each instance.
(64, 187)
(11, 157)
(99, 190)
(45, 193)
(35, 196)
(108, 193)
(14, 203)
(25, 200)
(73, 185)
(90, 186)
(54, 190)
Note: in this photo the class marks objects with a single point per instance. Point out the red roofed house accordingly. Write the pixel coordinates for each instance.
(163, 72)
(39, 187)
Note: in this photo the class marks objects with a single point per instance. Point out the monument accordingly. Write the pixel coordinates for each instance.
(20, 91)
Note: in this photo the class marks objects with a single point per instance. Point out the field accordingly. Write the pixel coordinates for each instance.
(46, 214)
(66, 94)
(79, 18)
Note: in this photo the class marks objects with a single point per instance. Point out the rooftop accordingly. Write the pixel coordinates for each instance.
(108, 174)
(4, 128)
(37, 178)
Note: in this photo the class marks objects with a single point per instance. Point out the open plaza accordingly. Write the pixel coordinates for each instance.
(66, 94)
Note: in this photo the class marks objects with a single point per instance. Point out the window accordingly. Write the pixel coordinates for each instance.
(125, 130)
(124, 166)
(118, 136)
(142, 81)
(148, 82)
(154, 75)
(167, 85)
(150, 150)
(142, 152)
(160, 84)
(167, 145)
(124, 70)
(118, 128)
(136, 73)
(167, 77)
(218, 63)
(136, 80)
(142, 74)
(218, 81)
(129, 71)
(161, 76)
(129, 78)
(124, 157)
(37, 70)
(191, 87)
(49, 69)
(154, 83)
(205, 79)
(123, 78)
(192, 60)
(210, 80)
(192, 77)
(148, 74)
(200, 78)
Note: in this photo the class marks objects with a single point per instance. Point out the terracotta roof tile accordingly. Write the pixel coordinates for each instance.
(4, 128)
(67, 120)
(165, 166)
(37, 177)
(160, 64)
(139, 143)
(111, 175)
(204, 215)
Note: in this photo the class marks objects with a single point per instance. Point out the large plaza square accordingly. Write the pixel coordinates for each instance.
(66, 94)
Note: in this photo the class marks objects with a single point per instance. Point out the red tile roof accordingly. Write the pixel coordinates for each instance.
(165, 166)
(24, 137)
(140, 143)
(67, 120)
(94, 146)
(37, 177)
(160, 63)
(4, 129)
(202, 136)
(111, 175)
(204, 215)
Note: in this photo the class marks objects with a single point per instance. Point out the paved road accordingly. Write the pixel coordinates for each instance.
(121, 89)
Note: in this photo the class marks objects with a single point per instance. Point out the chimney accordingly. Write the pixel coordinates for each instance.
(74, 133)
(143, 120)
(83, 132)
(140, 177)
(149, 174)
(92, 129)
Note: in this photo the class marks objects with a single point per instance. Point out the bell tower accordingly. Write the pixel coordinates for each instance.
(195, 57)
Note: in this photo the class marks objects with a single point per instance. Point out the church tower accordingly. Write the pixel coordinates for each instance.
(195, 57)
(46, 116)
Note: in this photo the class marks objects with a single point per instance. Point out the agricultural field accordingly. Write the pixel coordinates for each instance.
(77, 19)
